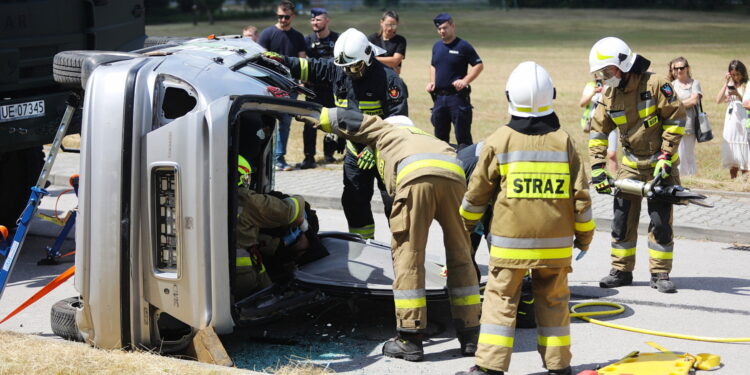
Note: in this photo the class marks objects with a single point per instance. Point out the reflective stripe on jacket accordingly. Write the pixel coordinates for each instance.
(540, 194)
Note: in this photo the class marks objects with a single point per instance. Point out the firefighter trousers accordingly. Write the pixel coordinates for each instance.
(358, 190)
(627, 211)
(501, 299)
(415, 205)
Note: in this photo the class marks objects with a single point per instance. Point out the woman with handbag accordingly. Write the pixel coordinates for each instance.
(735, 150)
(689, 92)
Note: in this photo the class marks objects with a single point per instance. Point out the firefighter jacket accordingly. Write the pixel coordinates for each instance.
(542, 207)
(648, 115)
(380, 92)
(403, 153)
(257, 211)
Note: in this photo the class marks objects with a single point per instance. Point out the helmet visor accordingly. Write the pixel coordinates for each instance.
(605, 73)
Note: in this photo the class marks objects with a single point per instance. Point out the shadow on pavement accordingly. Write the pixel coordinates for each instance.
(728, 285)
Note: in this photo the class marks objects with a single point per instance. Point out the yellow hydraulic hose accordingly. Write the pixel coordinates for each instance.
(619, 309)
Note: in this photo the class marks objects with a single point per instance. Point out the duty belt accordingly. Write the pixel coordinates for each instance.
(442, 92)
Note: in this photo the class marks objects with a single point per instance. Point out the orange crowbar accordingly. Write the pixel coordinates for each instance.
(47, 288)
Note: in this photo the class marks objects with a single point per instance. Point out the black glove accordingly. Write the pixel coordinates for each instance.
(601, 178)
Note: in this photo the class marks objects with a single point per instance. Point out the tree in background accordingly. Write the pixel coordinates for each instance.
(210, 6)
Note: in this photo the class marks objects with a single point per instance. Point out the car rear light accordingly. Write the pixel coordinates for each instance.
(166, 213)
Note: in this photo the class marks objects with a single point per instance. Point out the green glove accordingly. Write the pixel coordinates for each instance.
(663, 165)
(601, 179)
(366, 159)
(273, 56)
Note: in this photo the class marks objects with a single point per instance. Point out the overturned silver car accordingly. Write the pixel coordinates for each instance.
(162, 128)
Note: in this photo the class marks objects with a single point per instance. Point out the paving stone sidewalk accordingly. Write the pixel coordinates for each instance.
(728, 221)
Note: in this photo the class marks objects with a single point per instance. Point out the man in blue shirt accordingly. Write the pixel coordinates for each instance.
(449, 82)
(319, 44)
(283, 39)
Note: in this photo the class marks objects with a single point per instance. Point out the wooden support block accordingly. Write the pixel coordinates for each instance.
(209, 349)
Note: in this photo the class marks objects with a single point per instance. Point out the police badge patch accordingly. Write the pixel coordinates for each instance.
(667, 90)
(394, 93)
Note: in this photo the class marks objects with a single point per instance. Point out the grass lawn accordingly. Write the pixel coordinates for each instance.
(560, 40)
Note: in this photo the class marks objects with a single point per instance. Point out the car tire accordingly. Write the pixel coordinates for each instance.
(63, 319)
(72, 68)
(19, 171)
(159, 40)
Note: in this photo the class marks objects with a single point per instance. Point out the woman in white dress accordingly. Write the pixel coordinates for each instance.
(689, 92)
(735, 150)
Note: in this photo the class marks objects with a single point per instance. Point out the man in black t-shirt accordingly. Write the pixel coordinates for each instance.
(283, 39)
(319, 44)
(394, 45)
(449, 82)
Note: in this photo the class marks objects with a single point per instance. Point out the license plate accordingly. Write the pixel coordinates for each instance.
(20, 111)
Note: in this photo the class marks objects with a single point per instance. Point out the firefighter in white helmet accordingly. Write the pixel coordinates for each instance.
(360, 82)
(542, 209)
(651, 121)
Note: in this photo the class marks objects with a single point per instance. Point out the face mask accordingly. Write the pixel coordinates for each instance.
(612, 81)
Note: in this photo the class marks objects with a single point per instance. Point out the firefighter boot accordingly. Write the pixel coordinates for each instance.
(476, 370)
(660, 281)
(468, 339)
(406, 345)
(616, 278)
(565, 371)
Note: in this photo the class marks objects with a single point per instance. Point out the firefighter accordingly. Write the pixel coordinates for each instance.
(427, 182)
(362, 83)
(542, 208)
(258, 211)
(651, 122)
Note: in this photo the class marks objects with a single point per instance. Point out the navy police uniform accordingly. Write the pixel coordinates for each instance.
(318, 48)
(451, 106)
(379, 92)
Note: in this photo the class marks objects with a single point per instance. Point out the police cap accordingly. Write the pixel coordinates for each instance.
(314, 12)
(441, 19)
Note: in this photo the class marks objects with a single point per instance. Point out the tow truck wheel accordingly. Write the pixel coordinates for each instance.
(159, 40)
(63, 319)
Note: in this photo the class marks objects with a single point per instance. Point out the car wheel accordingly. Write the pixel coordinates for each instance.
(69, 67)
(63, 319)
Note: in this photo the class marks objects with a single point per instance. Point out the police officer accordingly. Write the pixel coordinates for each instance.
(426, 180)
(362, 83)
(651, 121)
(449, 82)
(542, 208)
(319, 44)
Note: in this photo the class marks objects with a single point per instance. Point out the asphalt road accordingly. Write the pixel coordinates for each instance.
(346, 334)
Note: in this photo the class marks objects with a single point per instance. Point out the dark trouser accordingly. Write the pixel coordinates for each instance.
(358, 189)
(456, 109)
(323, 97)
(627, 211)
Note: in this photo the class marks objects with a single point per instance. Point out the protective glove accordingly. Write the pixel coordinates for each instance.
(365, 159)
(601, 179)
(316, 120)
(663, 165)
(273, 56)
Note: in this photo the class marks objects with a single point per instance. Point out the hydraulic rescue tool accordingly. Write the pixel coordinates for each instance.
(675, 194)
(37, 193)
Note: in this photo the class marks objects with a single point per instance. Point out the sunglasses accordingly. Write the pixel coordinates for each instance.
(283, 16)
(679, 67)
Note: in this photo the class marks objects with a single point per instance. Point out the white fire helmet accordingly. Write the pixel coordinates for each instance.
(529, 91)
(400, 120)
(352, 46)
(611, 51)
